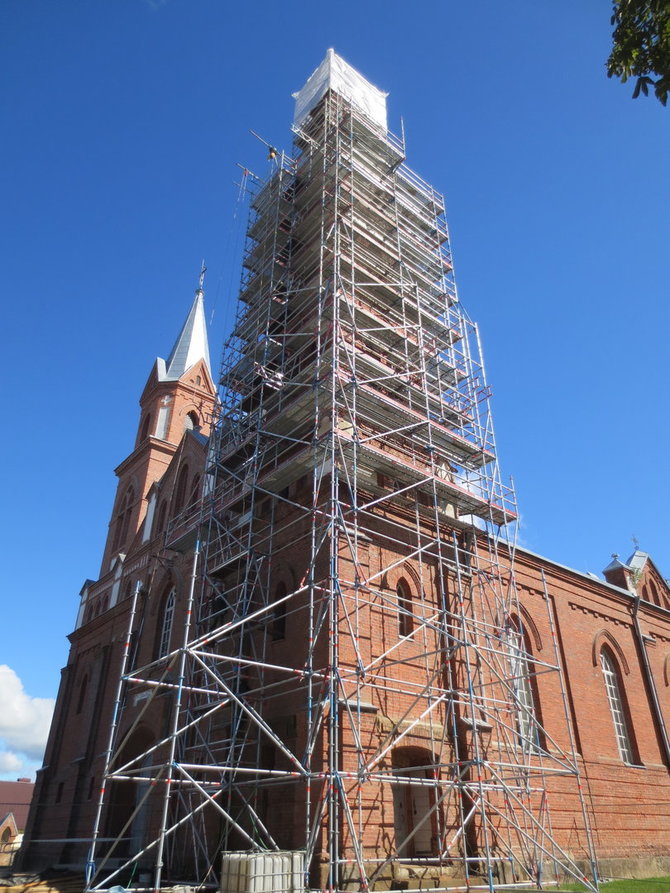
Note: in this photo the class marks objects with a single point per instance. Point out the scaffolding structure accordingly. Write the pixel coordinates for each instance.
(354, 682)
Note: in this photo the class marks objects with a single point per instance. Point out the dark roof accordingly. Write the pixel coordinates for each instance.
(15, 797)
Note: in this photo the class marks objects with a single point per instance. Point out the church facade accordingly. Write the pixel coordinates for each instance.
(312, 640)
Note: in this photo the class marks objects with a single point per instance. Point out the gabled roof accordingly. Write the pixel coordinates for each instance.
(635, 563)
(638, 560)
(191, 344)
(614, 565)
(15, 797)
(8, 821)
(640, 575)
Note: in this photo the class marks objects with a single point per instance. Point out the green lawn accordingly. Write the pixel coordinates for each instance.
(645, 885)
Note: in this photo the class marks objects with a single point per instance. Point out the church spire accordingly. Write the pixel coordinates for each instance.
(191, 344)
(179, 397)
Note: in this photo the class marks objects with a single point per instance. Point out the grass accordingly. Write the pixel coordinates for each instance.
(627, 885)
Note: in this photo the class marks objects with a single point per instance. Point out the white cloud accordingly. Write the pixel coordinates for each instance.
(10, 763)
(24, 723)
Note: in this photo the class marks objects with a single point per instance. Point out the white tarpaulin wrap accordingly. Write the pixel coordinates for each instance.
(336, 74)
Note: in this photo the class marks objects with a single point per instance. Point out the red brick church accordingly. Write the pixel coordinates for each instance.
(314, 656)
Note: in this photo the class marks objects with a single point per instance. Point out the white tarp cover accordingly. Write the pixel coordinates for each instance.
(336, 74)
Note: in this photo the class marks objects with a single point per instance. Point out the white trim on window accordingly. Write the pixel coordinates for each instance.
(617, 710)
(166, 630)
(526, 712)
(162, 422)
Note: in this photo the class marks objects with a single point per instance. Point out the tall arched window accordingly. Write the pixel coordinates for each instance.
(122, 524)
(180, 492)
(617, 704)
(162, 422)
(145, 427)
(279, 614)
(195, 489)
(162, 515)
(83, 688)
(522, 684)
(166, 627)
(405, 619)
(130, 499)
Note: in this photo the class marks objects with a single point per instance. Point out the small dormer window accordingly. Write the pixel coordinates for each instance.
(198, 380)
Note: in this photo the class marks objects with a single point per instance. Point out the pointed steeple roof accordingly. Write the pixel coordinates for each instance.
(191, 344)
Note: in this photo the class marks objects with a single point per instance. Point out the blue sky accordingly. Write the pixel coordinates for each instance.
(123, 125)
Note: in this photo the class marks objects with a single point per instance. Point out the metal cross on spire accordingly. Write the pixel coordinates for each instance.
(203, 270)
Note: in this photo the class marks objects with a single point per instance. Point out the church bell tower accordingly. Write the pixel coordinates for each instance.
(179, 396)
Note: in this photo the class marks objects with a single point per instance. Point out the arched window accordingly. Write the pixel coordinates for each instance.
(180, 492)
(654, 593)
(191, 421)
(195, 489)
(522, 683)
(166, 626)
(130, 499)
(83, 688)
(122, 524)
(133, 651)
(162, 423)
(162, 515)
(279, 614)
(405, 618)
(145, 427)
(617, 704)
